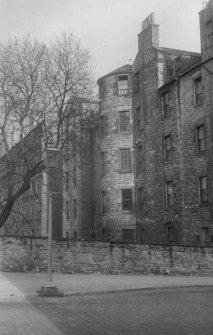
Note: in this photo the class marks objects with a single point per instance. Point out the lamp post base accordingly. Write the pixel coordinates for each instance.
(50, 290)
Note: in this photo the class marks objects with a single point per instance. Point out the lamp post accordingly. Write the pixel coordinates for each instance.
(51, 162)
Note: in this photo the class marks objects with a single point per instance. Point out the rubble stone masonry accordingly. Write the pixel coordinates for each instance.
(24, 254)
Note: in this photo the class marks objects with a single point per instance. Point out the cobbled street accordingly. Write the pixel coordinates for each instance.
(145, 312)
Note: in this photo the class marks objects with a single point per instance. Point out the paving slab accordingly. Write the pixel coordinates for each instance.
(21, 285)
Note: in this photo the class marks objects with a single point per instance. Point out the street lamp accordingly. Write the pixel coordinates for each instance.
(51, 163)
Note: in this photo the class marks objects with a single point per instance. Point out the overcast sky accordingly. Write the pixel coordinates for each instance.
(108, 28)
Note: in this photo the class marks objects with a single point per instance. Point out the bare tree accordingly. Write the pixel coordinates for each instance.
(41, 90)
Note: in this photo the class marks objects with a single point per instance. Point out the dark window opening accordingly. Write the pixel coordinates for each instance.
(201, 145)
(165, 104)
(66, 181)
(203, 189)
(137, 82)
(198, 91)
(103, 162)
(74, 177)
(142, 235)
(75, 208)
(167, 148)
(67, 210)
(127, 199)
(101, 90)
(127, 234)
(209, 34)
(205, 234)
(103, 126)
(140, 199)
(169, 194)
(138, 118)
(124, 121)
(139, 158)
(103, 202)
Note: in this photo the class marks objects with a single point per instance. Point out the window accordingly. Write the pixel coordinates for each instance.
(103, 126)
(137, 82)
(103, 162)
(127, 234)
(74, 177)
(169, 68)
(101, 90)
(198, 91)
(66, 181)
(169, 194)
(167, 148)
(75, 208)
(203, 189)
(125, 160)
(124, 121)
(103, 202)
(165, 104)
(142, 235)
(140, 199)
(201, 145)
(209, 34)
(138, 118)
(37, 209)
(67, 210)
(171, 233)
(205, 234)
(122, 85)
(139, 158)
(127, 199)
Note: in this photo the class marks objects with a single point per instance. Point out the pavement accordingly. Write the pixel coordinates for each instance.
(23, 285)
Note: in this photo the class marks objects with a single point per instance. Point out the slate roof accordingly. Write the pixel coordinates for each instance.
(127, 68)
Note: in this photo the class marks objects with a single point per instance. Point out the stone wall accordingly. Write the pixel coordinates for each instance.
(26, 254)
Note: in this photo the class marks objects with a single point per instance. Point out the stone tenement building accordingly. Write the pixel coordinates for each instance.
(166, 196)
(113, 158)
(172, 108)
